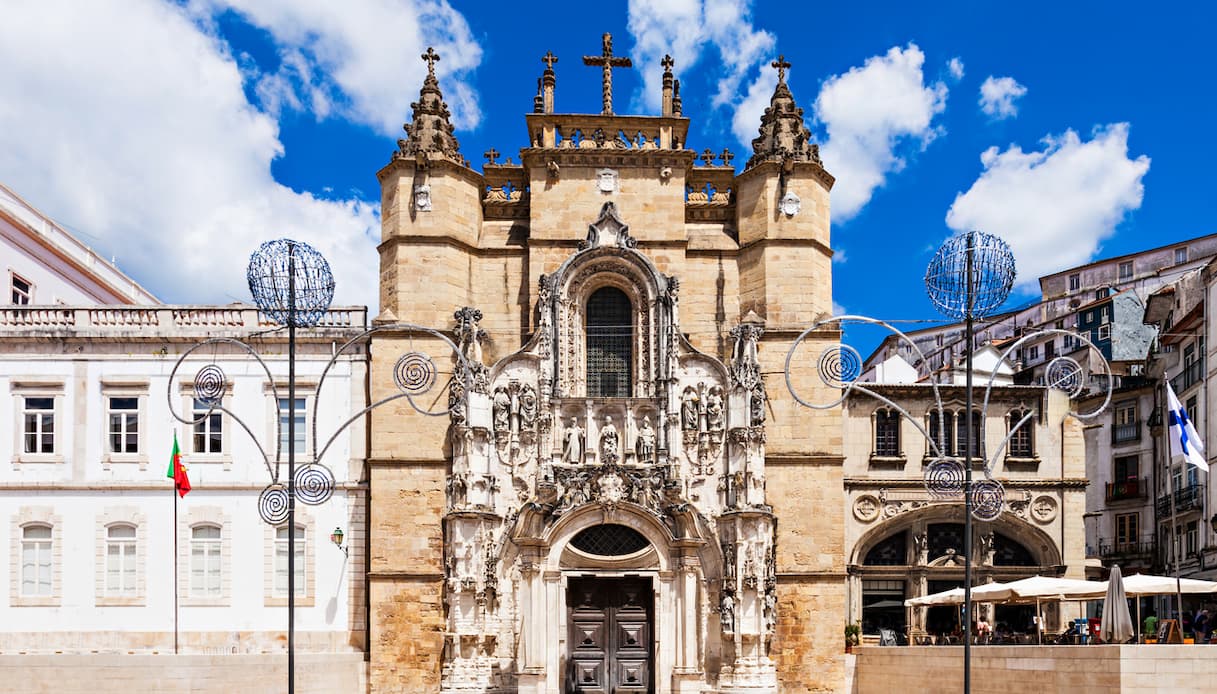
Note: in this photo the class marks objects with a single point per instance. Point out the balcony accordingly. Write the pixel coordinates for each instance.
(1126, 433)
(1186, 499)
(1126, 552)
(1191, 375)
(1127, 489)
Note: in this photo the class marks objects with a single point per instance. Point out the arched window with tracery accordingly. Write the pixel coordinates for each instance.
(610, 341)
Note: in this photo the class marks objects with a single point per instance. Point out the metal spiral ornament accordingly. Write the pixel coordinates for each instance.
(273, 504)
(840, 365)
(944, 478)
(414, 373)
(314, 484)
(1063, 373)
(988, 499)
(209, 385)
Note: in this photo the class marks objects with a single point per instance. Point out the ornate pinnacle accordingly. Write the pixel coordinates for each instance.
(607, 61)
(667, 64)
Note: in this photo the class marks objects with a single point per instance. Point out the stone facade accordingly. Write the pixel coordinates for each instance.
(622, 493)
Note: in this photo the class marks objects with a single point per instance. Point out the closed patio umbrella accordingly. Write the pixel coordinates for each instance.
(1116, 625)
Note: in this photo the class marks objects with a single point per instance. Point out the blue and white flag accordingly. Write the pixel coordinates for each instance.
(1185, 442)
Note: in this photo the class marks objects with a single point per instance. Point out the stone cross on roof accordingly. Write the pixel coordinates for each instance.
(607, 61)
(491, 155)
(782, 66)
(667, 63)
(549, 59)
(432, 58)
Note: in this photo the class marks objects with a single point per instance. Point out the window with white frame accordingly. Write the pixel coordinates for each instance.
(121, 560)
(1075, 282)
(208, 429)
(205, 561)
(37, 561)
(38, 428)
(281, 545)
(1181, 255)
(285, 415)
(22, 290)
(122, 415)
(1191, 539)
(1104, 333)
(1125, 270)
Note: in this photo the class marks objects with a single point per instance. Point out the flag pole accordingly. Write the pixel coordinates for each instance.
(175, 568)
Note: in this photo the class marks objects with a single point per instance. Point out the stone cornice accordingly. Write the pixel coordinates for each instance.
(853, 483)
(774, 168)
(606, 156)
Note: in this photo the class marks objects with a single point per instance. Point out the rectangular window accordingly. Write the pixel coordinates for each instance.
(1191, 539)
(1104, 333)
(22, 291)
(36, 561)
(1126, 531)
(1127, 427)
(124, 424)
(205, 565)
(300, 426)
(39, 430)
(1126, 270)
(281, 562)
(208, 429)
(1126, 468)
(961, 433)
(1021, 444)
(1180, 255)
(1075, 282)
(1033, 353)
(120, 560)
(887, 434)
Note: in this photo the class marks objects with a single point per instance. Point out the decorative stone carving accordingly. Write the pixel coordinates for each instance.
(608, 229)
(1044, 509)
(986, 549)
(745, 365)
(714, 410)
(644, 444)
(921, 542)
(422, 197)
(688, 414)
(573, 443)
(726, 613)
(606, 180)
(607, 61)
(609, 442)
(866, 508)
(791, 204)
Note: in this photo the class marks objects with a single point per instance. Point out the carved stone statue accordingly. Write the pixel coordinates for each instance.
(609, 442)
(757, 413)
(644, 446)
(502, 410)
(920, 542)
(528, 406)
(572, 445)
(986, 548)
(688, 410)
(714, 409)
(726, 613)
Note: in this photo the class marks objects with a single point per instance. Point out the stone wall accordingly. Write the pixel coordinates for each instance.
(319, 673)
(1002, 669)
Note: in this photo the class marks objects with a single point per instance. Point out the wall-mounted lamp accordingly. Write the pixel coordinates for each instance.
(336, 538)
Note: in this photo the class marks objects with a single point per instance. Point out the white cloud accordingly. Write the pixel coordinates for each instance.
(955, 67)
(838, 256)
(868, 112)
(685, 29)
(141, 136)
(997, 97)
(1054, 206)
(356, 59)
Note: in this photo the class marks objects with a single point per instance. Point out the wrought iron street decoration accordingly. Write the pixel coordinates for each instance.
(292, 285)
(970, 277)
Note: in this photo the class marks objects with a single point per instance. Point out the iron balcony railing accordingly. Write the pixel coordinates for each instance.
(1127, 489)
(1126, 549)
(1191, 375)
(1186, 499)
(1124, 433)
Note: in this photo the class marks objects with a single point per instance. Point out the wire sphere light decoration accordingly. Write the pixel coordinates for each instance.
(992, 275)
(271, 270)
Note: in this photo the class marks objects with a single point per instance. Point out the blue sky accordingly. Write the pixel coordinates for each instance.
(177, 136)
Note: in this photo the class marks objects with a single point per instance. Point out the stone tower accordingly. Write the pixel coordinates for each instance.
(623, 495)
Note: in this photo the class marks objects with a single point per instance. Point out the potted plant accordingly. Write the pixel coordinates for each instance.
(852, 634)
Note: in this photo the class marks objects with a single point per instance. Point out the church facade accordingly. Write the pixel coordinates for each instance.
(621, 493)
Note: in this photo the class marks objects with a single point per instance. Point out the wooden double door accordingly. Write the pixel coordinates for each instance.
(610, 642)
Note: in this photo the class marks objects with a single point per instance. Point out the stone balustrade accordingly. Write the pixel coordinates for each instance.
(186, 319)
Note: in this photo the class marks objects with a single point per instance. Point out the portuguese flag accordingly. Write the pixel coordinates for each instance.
(177, 471)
